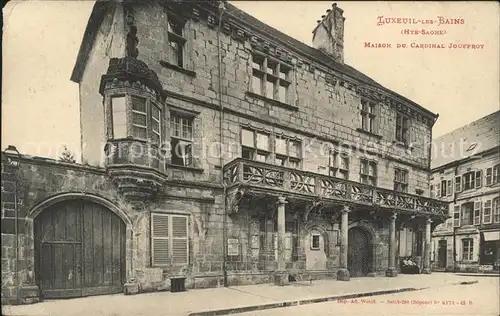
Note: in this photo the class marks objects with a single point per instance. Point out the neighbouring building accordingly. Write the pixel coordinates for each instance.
(216, 148)
(466, 174)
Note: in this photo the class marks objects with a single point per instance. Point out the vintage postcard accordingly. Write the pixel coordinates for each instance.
(201, 157)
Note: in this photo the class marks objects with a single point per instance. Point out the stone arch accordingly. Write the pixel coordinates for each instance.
(69, 196)
(324, 234)
(372, 236)
(54, 199)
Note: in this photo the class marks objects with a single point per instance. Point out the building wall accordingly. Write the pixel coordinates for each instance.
(320, 113)
(109, 43)
(481, 194)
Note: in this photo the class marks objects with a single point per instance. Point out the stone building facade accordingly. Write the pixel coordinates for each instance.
(466, 174)
(219, 149)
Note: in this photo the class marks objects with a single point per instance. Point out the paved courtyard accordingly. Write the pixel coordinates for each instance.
(185, 303)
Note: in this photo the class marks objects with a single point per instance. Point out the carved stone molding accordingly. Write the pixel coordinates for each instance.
(233, 199)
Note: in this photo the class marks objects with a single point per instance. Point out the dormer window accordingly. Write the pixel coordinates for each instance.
(176, 40)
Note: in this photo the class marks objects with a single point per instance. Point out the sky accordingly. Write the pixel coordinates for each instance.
(42, 38)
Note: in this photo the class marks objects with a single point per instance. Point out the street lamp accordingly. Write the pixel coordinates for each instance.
(13, 155)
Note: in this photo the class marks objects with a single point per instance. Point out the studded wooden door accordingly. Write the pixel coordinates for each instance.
(80, 250)
(359, 252)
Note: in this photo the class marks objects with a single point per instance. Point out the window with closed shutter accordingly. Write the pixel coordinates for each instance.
(169, 239)
(160, 242)
(179, 240)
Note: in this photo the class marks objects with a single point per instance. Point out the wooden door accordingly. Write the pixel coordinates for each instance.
(80, 250)
(442, 253)
(359, 252)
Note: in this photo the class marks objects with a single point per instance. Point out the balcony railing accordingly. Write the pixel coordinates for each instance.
(270, 177)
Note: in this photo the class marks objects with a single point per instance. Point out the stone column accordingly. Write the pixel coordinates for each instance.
(427, 249)
(391, 268)
(281, 273)
(343, 272)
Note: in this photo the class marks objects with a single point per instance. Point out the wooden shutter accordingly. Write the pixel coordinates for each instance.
(188, 151)
(456, 216)
(180, 240)
(477, 213)
(438, 190)
(489, 174)
(458, 184)
(448, 187)
(479, 177)
(487, 216)
(432, 191)
(160, 239)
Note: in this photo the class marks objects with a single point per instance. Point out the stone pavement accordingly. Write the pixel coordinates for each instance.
(195, 302)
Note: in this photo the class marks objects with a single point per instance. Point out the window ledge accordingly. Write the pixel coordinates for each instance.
(402, 145)
(369, 133)
(273, 102)
(185, 168)
(177, 68)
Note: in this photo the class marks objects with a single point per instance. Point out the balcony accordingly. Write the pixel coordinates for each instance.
(271, 179)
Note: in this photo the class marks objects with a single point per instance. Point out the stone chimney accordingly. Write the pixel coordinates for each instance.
(328, 35)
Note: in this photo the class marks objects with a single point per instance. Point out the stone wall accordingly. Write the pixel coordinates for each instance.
(316, 112)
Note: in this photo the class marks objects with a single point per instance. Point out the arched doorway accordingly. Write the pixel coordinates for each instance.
(79, 250)
(316, 243)
(360, 256)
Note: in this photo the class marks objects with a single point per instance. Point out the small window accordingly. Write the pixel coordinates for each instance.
(270, 78)
(181, 140)
(368, 173)
(119, 111)
(339, 165)
(496, 210)
(458, 184)
(493, 175)
(467, 216)
(315, 241)
(287, 152)
(456, 216)
(467, 249)
(469, 182)
(367, 116)
(402, 128)
(176, 40)
(254, 145)
(139, 118)
(487, 212)
(156, 125)
(401, 180)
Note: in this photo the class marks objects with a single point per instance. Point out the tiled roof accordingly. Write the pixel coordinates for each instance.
(485, 133)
